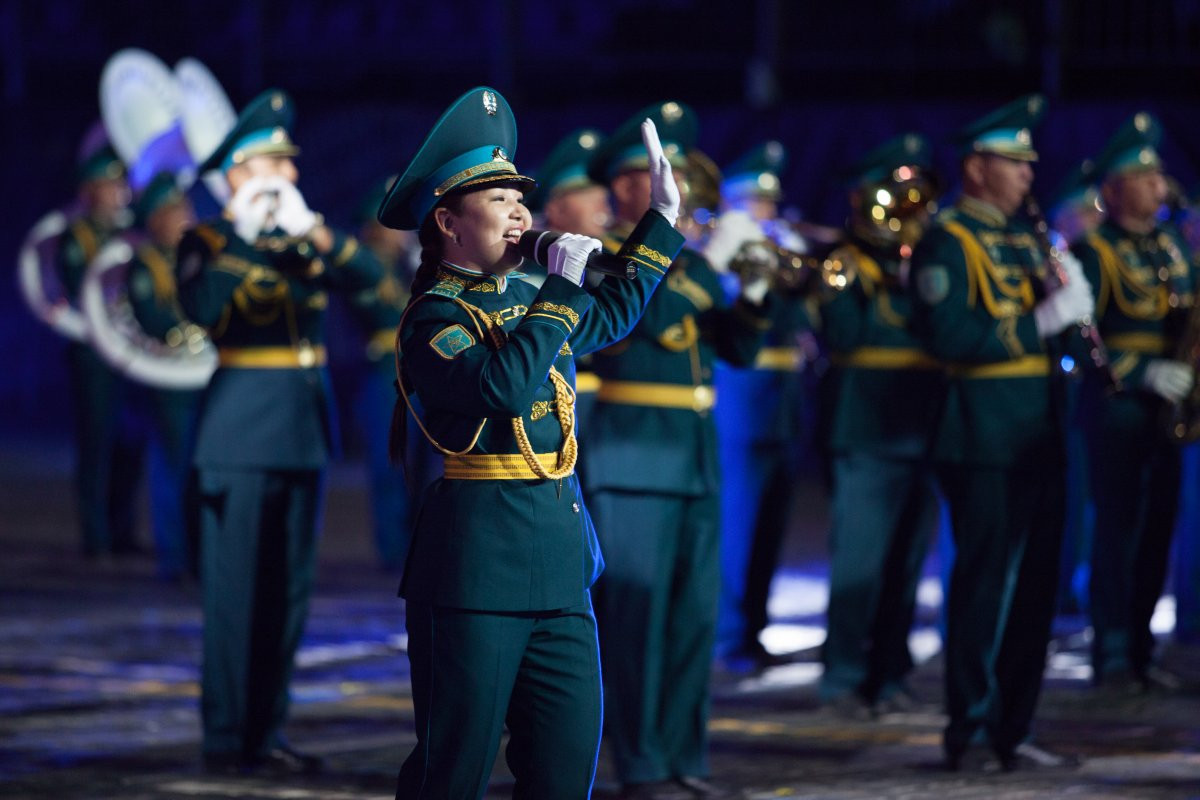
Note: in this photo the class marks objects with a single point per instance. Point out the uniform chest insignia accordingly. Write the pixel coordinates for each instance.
(451, 341)
(933, 284)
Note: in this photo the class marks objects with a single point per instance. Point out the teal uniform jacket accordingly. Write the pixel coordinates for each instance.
(658, 443)
(973, 304)
(155, 305)
(1000, 453)
(883, 390)
(510, 545)
(882, 396)
(1144, 284)
(377, 311)
(269, 404)
(1133, 277)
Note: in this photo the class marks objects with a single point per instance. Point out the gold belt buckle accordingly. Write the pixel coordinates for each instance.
(306, 355)
(702, 398)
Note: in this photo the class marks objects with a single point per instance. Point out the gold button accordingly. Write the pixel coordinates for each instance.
(305, 354)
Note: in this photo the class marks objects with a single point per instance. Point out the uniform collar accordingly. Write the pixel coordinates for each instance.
(986, 213)
(476, 277)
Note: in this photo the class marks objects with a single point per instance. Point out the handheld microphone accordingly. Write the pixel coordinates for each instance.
(535, 245)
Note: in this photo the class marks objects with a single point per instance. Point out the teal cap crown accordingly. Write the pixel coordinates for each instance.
(756, 173)
(1007, 131)
(677, 130)
(566, 166)
(906, 150)
(264, 128)
(1133, 148)
(472, 142)
(1077, 188)
(163, 189)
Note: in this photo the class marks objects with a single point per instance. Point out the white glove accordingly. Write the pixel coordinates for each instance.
(251, 207)
(1072, 267)
(756, 289)
(664, 194)
(734, 228)
(293, 214)
(1065, 306)
(568, 256)
(1171, 380)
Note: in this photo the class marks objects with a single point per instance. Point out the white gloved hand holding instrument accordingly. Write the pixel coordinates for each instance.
(1070, 304)
(252, 208)
(1170, 380)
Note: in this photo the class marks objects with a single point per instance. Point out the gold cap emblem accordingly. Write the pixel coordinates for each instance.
(587, 140)
(489, 103)
(671, 112)
(498, 154)
(1141, 121)
(276, 101)
(1024, 137)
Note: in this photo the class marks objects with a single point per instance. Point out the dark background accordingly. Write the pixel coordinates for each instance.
(828, 79)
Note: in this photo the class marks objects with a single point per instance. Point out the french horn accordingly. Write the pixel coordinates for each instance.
(39, 282)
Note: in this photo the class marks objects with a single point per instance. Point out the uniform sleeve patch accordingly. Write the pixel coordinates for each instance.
(451, 341)
(933, 284)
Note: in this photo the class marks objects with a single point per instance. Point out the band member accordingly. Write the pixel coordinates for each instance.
(257, 278)
(998, 440)
(108, 448)
(570, 201)
(1144, 280)
(377, 312)
(881, 396)
(761, 417)
(652, 478)
(164, 213)
(499, 615)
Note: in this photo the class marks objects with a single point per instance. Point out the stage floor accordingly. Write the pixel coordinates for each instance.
(99, 684)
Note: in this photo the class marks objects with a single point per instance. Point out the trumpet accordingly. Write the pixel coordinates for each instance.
(791, 272)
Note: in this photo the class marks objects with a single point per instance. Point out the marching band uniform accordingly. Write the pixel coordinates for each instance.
(265, 434)
(109, 456)
(998, 440)
(881, 394)
(1144, 282)
(155, 303)
(499, 615)
(652, 475)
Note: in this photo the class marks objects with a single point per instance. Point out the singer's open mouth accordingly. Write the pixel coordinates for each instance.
(513, 235)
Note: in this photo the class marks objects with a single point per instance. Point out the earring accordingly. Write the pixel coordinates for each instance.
(454, 236)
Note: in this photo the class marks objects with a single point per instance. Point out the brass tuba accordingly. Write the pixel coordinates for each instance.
(792, 272)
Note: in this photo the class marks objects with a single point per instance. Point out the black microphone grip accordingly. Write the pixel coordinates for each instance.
(535, 245)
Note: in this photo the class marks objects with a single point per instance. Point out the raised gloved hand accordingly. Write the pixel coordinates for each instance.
(1072, 268)
(734, 229)
(251, 208)
(664, 193)
(1065, 307)
(568, 256)
(293, 214)
(1171, 380)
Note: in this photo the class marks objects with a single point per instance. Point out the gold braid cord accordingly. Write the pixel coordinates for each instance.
(564, 405)
(564, 409)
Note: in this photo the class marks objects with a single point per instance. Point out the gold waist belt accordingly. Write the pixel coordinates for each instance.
(1024, 367)
(661, 395)
(887, 358)
(272, 357)
(1152, 343)
(586, 382)
(501, 467)
(786, 359)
